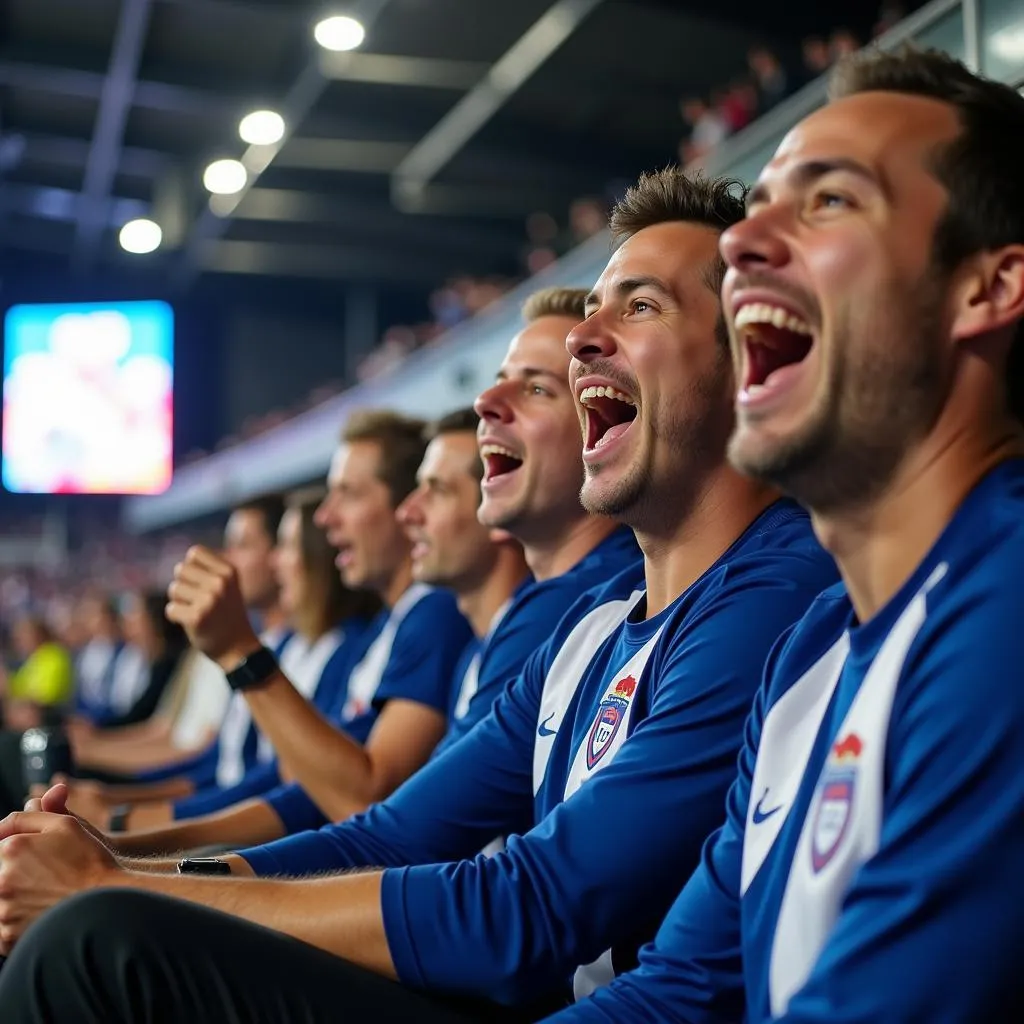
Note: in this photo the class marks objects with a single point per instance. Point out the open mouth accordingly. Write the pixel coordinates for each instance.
(498, 461)
(774, 339)
(609, 413)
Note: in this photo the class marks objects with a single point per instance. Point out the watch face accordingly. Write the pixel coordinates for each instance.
(204, 866)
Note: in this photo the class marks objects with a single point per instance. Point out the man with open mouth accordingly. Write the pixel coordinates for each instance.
(605, 762)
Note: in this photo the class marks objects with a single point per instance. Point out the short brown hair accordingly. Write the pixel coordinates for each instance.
(270, 508)
(569, 302)
(329, 600)
(980, 168)
(461, 421)
(400, 439)
(672, 194)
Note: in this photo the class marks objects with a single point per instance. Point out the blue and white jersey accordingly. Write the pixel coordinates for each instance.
(525, 624)
(605, 763)
(870, 864)
(412, 658)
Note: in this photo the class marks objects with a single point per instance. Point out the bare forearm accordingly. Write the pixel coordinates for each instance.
(311, 751)
(246, 824)
(339, 914)
(133, 757)
(171, 789)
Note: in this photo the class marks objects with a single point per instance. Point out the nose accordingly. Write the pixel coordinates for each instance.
(492, 406)
(756, 243)
(322, 514)
(409, 512)
(590, 340)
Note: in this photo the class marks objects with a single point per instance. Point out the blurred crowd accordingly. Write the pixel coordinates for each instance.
(767, 80)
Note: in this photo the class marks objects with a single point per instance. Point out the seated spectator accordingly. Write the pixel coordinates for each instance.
(42, 687)
(817, 59)
(770, 78)
(842, 44)
(707, 129)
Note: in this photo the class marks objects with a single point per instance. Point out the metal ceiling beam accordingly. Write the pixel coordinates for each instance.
(108, 135)
(64, 151)
(299, 101)
(57, 81)
(376, 221)
(388, 69)
(60, 204)
(351, 155)
(477, 107)
(317, 262)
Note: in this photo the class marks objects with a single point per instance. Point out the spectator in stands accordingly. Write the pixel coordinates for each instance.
(770, 78)
(43, 685)
(94, 663)
(627, 719)
(890, 14)
(707, 129)
(147, 763)
(842, 44)
(587, 217)
(817, 58)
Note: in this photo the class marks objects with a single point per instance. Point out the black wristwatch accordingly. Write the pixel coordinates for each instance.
(253, 670)
(119, 818)
(203, 866)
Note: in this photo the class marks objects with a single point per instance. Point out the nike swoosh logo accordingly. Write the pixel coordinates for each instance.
(760, 816)
(544, 730)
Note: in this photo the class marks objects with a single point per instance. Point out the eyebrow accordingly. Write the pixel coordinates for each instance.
(807, 173)
(631, 284)
(528, 374)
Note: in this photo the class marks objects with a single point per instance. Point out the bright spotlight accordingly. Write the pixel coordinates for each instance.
(262, 128)
(141, 236)
(225, 177)
(339, 33)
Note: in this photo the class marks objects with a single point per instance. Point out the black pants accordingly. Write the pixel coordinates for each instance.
(120, 957)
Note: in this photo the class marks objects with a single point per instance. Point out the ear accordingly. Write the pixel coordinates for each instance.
(990, 294)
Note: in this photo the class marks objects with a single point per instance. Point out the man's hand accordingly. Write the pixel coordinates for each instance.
(55, 801)
(204, 598)
(81, 797)
(45, 858)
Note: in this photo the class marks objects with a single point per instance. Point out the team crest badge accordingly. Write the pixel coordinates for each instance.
(610, 716)
(835, 800)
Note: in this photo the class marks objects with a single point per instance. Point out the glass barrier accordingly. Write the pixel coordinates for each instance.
(1002, 39)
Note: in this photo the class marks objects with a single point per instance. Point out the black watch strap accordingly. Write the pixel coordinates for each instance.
(119, 818)
(203, 866)
(253, 670)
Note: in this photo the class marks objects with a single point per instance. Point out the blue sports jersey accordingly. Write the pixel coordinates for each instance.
(612, 752)
(526, 624)
(412, 658)
(356, 637)
(870, 864)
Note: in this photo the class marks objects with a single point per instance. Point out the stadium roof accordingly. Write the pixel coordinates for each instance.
(417, 156)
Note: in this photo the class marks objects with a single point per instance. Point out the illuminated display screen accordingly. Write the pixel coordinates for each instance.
(88, 398)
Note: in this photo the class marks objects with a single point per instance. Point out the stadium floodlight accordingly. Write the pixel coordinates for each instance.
(225, 177)
(141, 236)
(261, 128)
(339, 33)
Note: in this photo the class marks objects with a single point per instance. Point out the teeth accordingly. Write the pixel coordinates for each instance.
(589, 394)
(763, 313)
(497, 449)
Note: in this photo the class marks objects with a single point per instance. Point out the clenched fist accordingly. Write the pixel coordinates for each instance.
(205, 600)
